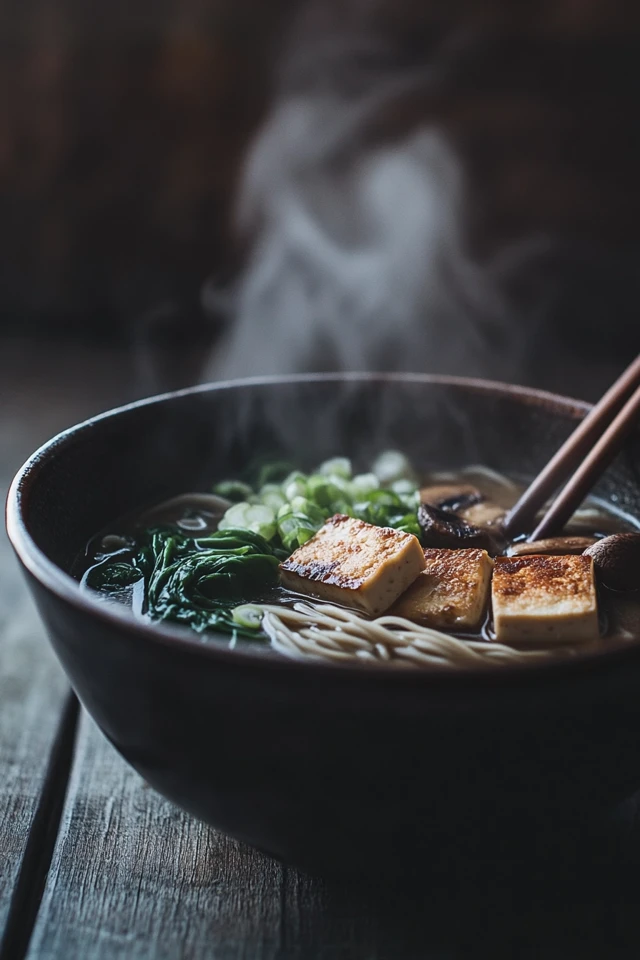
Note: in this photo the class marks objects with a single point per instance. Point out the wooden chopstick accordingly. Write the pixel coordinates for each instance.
(589, 471)
(559, 468)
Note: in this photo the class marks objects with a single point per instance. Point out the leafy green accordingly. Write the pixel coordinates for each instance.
(112, 576)
(196, 582)
(206, 582)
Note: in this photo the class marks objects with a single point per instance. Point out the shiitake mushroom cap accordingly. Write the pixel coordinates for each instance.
(446, 530)
(451, 496)
(617, 561)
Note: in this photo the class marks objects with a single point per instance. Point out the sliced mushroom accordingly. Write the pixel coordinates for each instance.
(444, 529)
(451, 496)
(617, 560)
(555, 546)
(484, 514)
(467, 501)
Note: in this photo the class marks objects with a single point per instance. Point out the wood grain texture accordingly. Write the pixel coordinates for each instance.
(133, 877)
(32, 690)
(39, 395)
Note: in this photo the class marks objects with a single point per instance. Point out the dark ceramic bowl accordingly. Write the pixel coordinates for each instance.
(326, 766)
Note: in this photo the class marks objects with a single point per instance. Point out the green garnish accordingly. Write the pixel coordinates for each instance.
(205, 581)
(233, 490)
(337, 466)
(196, 582)
(246, 516)
(387, 496)
(248, 615)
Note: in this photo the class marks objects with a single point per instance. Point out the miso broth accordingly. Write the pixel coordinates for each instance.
(213, 561)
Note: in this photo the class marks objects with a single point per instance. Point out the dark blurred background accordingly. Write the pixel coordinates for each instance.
(122, 128)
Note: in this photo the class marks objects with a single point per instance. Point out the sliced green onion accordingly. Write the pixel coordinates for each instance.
(248, 615)
(235, 516)
(296, 529)
(298, 522)
(403, 487)
(392, 465)
(284, 511)
(408, 492)
(273, 472)
(341, 466)
(325, 490)
(247, 516)
(295, 485)
(309, 509)
(343, 507)
(304, 534)
(272, 496)
(233, 490)
(363, 484)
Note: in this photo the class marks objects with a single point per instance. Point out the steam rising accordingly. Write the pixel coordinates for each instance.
(358, 258)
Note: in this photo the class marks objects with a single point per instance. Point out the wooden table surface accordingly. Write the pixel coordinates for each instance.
(94, 864)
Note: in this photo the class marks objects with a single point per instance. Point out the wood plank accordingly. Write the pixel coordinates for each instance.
(32, 692)
(134, 877)
(42, 390)
(30, 881)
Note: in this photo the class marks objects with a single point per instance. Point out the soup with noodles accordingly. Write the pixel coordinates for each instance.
(382, 566)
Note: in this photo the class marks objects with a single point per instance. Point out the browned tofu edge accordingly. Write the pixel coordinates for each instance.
(373, 593)
(317, 570)
(447, 562)
(512, 627)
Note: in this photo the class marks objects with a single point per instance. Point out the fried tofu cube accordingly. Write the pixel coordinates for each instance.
(355, 564)
(543, 599)
(451, 593)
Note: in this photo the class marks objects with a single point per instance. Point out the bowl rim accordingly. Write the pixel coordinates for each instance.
(181, 639)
